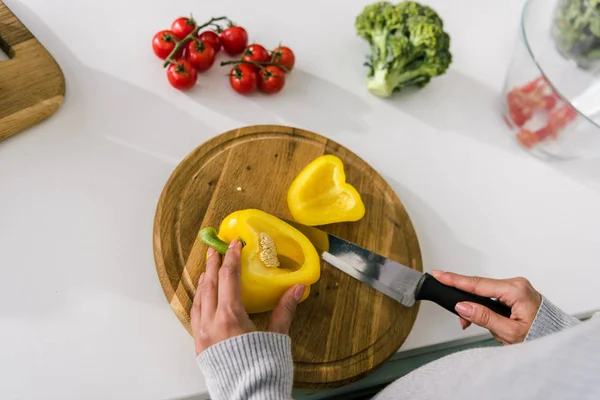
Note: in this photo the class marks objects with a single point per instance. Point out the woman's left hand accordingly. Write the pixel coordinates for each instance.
(218, 313)
(517, 293)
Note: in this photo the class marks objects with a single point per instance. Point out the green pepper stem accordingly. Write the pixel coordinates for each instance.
(209, 237)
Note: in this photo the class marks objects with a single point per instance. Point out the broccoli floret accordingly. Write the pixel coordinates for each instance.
(408, 45)
(576, 30)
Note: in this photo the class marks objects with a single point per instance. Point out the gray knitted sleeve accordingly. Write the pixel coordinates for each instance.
(549, 319)
(259, 365)
(252, 366)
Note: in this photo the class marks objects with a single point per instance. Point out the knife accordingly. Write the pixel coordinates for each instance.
(389, 277)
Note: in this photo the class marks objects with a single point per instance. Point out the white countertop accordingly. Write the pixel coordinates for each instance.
(82, 314)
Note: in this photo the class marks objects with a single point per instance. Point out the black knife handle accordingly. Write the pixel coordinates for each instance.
(446, 296)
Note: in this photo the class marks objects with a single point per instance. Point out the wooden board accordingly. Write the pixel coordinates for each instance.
(344, 329)
(32, 85)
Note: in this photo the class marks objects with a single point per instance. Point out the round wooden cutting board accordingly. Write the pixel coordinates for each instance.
(344, 329)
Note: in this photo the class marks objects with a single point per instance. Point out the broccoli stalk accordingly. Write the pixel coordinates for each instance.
(383, 84)
(408, 45)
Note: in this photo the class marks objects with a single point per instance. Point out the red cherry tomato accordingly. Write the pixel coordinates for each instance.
(243, 79)
(163, 43)
(527, 138)
(534, 84)
(559, 118)
(519, 116)
(256, 53)
(181, 75)
(518, 108)
(549, 101)
(271, 79)
(211, 38)
(182, 27)
(200, 55)
(234, 40)
(284, 56)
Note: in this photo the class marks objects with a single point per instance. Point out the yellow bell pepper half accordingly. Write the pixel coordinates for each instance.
(275, 256)
(320, 194)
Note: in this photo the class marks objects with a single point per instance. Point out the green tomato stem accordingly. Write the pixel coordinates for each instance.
(261, 65)
(190, 36)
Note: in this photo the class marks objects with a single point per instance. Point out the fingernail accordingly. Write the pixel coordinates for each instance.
(299, 292)
(201, 278)
(464, 309)
(436, 273)
(211, 251)
(233, 243)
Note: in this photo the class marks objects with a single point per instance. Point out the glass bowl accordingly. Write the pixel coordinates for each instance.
(551, 94)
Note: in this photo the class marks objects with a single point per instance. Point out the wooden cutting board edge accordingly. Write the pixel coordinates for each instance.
(31, 82)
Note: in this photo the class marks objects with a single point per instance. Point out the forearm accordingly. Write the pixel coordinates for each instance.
(549, 319)
(256, 365)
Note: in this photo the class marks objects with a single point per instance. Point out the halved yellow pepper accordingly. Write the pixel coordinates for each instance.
(275, 256)
(320, 194)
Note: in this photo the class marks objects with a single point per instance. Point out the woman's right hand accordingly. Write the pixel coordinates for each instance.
(517, 293)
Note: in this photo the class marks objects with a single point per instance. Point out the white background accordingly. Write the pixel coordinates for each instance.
(82, 314)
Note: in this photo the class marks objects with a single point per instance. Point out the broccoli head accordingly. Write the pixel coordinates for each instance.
(576, 30)
(408, 45)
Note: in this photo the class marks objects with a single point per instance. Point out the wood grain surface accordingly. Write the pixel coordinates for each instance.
(32, 85)
(344, 329)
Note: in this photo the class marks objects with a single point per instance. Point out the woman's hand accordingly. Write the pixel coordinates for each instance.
(218, 314)
(517, 293)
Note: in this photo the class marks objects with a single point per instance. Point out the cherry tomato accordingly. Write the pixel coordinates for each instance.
(527, 138)
(520, 116)
(534, 84)
(559, 118)
(163, 43)
(182, 75)
(271, 79)
(200, 55)
(183, 26)
(548, 102)
(243, 79)
(211, 38)
(284, 56)
(519, 107)
(256, 53)
(234, 40)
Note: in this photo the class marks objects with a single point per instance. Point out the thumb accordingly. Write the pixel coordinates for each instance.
(464, 324)
(283, 314)
(484, 317)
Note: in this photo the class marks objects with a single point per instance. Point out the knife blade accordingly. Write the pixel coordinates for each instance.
(400, 282)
